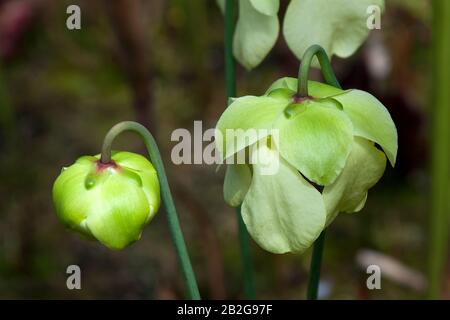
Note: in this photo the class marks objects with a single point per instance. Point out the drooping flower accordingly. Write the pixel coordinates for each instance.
(108, 202)
(339, 26)
(330, 148)
(256, 30)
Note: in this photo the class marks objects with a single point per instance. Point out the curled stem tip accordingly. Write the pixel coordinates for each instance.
(172, 216)
(305, 66)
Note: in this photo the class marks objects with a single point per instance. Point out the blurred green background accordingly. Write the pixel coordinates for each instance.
(161, 62)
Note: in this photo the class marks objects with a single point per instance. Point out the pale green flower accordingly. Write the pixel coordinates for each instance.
(256, 30)
(328, 155)
(339, 26)
(108, 202)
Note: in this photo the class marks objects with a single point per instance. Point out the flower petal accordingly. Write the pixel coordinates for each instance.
(71, 197)
(237, 181)
(246, 113)
(340, 26)
(371, 120)
(255, 34)
(147, 174)
(282, 212)
(363, 169)
(267, 7)
(119, 213)
(316, 141)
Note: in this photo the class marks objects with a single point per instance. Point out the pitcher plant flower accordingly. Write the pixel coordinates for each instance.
(108, 202)
(331, 146)
(111, 197)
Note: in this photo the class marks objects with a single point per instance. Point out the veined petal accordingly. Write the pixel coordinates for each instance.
(282, 211)
(72, 198)
(146, 172)
(238, 178)
(315, 89)
(363, 169)
(111, 222)
(245, 121)
(316, 141)
(371, 120)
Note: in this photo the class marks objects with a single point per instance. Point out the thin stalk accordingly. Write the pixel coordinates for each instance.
(230, 81)
(172, 216)
(316, 262)
(230, 77)
(302, 92)
(440, 150)
(246, 257)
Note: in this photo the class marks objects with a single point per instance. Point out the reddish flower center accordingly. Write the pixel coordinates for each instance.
(100, 166)
(298, 99)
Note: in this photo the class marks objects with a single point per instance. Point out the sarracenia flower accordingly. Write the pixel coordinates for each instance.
(108, 202)
(329, 148)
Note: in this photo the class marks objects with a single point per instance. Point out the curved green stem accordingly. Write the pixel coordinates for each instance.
(172, 217)
(305, 65)
(302, 91)
(230, 81)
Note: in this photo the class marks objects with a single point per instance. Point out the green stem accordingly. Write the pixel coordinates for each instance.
(172, 217)
(230, 77)
(440, 150)
(325, 65)
(330, 78)
(316, 262)
(230, 81)
(246, 258)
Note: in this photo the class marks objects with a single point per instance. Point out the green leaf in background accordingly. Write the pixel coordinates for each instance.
(363, 169)
(256, 30)
(339, 26)
(282, 211)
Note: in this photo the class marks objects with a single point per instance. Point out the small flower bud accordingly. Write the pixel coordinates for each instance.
(109, 202)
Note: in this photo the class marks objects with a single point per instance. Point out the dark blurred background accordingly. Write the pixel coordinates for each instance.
(161, 62)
